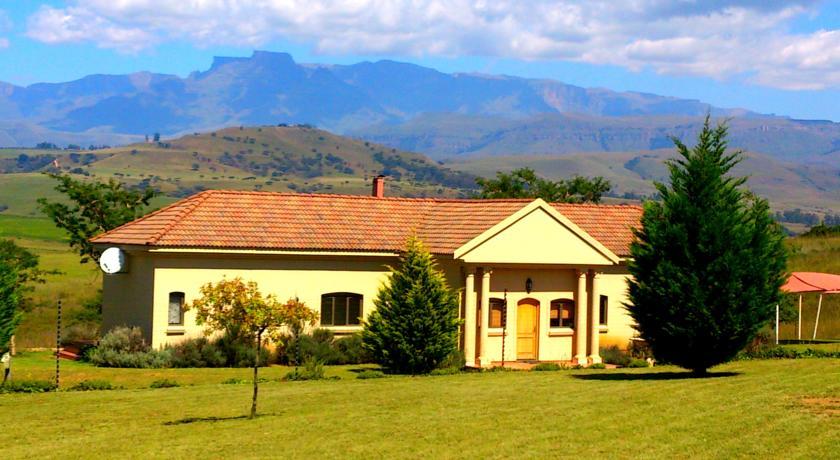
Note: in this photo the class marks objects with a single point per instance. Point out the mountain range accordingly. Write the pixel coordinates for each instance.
(399, 104)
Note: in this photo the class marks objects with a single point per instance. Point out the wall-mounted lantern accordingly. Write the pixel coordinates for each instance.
(529, 284)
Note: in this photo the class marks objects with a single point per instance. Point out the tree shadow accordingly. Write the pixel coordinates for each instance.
(357, 370)
(188, 420)
(654, 376)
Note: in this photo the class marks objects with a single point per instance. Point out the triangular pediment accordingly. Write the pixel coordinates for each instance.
(536, 234)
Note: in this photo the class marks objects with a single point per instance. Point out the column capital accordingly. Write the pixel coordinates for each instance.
(487, 271)
(581, 272)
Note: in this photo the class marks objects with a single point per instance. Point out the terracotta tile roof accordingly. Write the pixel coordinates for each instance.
(293, 221)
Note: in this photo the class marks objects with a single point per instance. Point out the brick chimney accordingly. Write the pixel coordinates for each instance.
(378, 186)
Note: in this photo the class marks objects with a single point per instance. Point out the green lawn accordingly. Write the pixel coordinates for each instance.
(766, 409)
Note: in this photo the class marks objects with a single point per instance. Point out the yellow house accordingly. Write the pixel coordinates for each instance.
(541, 281)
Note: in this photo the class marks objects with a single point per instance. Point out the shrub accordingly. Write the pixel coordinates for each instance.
(789, 353)
(370, 374)
(445, 371)
(317, 346)
(597, 366)
(125, 347)
(239, 352)
(198, 352)
(639, 349)
(763, 342)
(322, 346)
(615, 355)
(235, 381)
(637, 363)
(150, 359)
(27, 386)
(455, 360)
(164, 383)
(351, 350)
(93, 385)
(311, 370)
(542, 367)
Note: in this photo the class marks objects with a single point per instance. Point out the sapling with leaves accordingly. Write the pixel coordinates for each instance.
(94, 207)
(238, 307)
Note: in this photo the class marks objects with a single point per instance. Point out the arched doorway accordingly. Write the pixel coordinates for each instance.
(527, 328)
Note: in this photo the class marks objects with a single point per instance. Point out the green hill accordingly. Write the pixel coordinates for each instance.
(276, 158)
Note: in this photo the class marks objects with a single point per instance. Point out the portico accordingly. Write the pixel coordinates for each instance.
(532, 290)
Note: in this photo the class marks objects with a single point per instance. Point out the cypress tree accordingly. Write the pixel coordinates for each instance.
(708, 261)
(415, 325)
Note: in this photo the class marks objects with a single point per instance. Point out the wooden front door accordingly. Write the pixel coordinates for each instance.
(527, 328)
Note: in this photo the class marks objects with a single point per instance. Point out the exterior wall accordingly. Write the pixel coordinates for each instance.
(127, 297)
(141, 296)
(619, 330)
(305, 279)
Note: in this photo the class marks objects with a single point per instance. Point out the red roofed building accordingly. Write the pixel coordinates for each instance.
(561, 268)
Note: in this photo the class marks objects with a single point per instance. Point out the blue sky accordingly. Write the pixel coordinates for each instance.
(770, 56)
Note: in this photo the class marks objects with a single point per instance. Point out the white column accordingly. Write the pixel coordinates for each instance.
(799, 320)
(594, 320)
(580, 318)
(469, 318)
(483, 351)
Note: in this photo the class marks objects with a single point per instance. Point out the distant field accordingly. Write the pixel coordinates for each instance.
(783, 184)
(817, 254)
(756, 409)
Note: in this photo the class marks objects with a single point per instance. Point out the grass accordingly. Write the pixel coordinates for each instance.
(770, 409)
(41, 366)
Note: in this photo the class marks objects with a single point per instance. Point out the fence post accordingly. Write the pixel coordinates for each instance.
(58, 346)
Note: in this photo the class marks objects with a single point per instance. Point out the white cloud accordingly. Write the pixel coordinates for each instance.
(714, 38)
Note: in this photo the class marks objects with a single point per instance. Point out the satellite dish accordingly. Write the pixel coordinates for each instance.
(112, 261)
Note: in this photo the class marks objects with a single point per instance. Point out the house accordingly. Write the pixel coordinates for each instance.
(547, 279)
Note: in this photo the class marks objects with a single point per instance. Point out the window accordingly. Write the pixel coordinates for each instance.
(176, 308)
(341, 309)
(497, 313)
(562, 313)
(603, 309)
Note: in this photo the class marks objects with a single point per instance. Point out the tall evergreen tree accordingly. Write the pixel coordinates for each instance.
(708, 262)
(415, 325)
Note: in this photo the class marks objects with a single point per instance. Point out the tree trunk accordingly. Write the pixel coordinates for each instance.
(256, 377)
(700, 372)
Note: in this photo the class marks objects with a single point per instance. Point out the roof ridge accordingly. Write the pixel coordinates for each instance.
(196, 199)
(402, 198)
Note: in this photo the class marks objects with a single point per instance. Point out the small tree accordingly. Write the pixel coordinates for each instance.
(708, 262)
(524, 183)
(240, 308)
(10, 297)
(24, 264)
(415, 324)
(96, 208)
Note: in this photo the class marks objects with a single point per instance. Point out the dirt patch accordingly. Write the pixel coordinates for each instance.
(822, 406)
